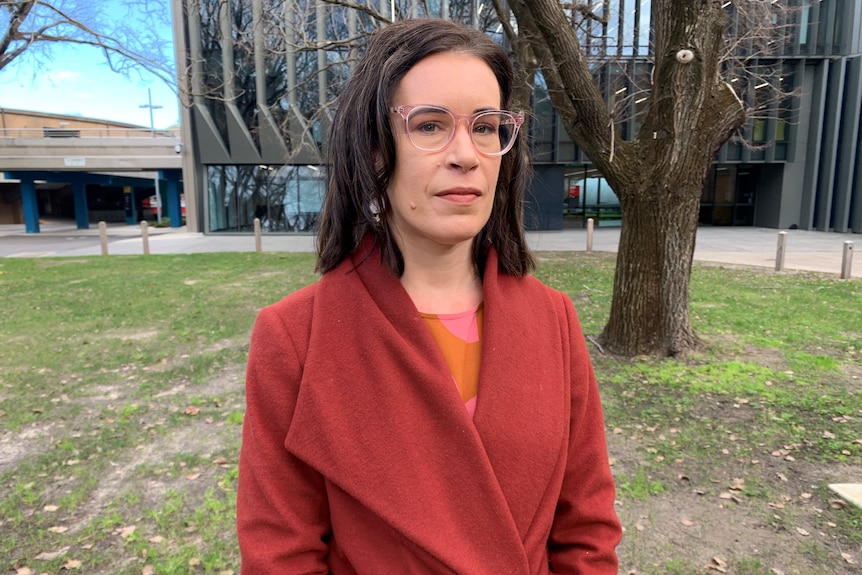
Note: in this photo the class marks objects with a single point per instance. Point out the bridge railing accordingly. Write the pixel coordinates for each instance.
(89, 133)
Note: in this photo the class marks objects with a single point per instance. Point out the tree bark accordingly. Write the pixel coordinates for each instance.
(659, 176)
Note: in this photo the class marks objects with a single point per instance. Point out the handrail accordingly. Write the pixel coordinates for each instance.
(52, 133)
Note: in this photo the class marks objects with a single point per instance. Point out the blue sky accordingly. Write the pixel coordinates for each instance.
(78, 82)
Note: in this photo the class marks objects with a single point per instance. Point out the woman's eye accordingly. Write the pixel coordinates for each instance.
(485, 129)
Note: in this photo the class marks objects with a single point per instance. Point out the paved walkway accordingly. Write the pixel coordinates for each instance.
(805, 250)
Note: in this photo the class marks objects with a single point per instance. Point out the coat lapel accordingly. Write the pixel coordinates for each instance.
(522, 406)
(379, 416)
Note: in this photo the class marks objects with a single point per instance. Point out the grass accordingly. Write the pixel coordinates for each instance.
(121, 403)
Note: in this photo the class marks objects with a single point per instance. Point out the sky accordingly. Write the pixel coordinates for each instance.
(78, 82)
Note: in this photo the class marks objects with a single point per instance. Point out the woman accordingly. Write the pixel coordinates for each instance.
(426, 407)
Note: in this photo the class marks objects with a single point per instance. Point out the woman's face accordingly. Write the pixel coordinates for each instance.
(442, 199)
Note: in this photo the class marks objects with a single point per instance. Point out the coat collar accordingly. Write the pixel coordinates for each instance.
(379, 416)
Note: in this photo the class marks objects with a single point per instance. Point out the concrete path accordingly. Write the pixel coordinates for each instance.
(805, 250)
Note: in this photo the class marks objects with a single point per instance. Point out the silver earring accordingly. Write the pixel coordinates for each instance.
(374, 208)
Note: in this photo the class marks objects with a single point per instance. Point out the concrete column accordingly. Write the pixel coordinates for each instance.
(30, 205)
(82, 211)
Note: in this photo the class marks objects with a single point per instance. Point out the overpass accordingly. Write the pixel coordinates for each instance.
(107, 155)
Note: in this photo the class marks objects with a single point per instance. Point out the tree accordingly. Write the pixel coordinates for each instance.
(690, 109)
(128, 33)
(690, 90)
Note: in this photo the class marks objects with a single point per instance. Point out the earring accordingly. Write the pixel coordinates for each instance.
(374, 208)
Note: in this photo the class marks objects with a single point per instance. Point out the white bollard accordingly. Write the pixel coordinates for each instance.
(847, 260)
(103, 237)
(258, 247)
(589, 235)
(779, 253)
(145, 236)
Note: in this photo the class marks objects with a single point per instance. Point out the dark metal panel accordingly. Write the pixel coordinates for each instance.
(273, 150)
(240, 142)
(831, 133)
(815, 134)
(303, 149)
(849, 142)
(208, 142)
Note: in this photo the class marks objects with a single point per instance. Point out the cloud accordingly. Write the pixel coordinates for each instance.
(64, 76)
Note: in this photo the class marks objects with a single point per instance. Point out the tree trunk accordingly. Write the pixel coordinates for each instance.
(659, 176)
(649, 310)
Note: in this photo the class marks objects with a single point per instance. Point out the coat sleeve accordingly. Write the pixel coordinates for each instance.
(282, 509)
(586, 530)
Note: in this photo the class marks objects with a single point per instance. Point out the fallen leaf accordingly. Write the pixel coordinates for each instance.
(806, 496)
(156, 539)
(718, 564)
(838, 504)
(126, 532)
(848, 559)
(194, 562)
(192, 476)
(737, 485)
(148, 570)
(725, 495)
(72, 564)
(192, 410)
(639, 527)
(802, 532)
(687, 522)
(58, 529)
(23, 571)
(781, 476)
(50, 508)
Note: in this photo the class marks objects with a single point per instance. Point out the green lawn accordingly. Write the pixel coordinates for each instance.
(121, 402)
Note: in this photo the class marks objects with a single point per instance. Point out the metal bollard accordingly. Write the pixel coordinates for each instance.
(145, 236)
(103, 237)
(589, 235)
(258, 247)
(779, 253)
(847, 260)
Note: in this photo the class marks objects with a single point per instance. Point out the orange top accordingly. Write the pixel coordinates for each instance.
(459, 336)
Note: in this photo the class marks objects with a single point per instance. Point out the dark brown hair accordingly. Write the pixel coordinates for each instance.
(362, 149)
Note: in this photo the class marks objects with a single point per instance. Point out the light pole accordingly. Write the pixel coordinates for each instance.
(150, 105)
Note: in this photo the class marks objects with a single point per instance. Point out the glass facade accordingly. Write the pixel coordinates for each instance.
(276, 79)
(283, 198)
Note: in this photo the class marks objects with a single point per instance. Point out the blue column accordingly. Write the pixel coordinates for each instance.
(174, 208)
(82, 211)
(31, 205)
(129, 204)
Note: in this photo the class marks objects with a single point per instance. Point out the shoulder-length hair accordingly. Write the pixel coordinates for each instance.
(362, 150)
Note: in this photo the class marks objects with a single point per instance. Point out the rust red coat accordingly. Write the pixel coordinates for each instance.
(358, 456)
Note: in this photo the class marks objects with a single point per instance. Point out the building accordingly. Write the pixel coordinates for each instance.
(68, 167)
(260, 109)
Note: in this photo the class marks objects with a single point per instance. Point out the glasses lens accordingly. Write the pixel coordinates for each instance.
(494, 132)
(429, 128)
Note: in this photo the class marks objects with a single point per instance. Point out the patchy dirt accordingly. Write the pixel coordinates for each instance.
(745, 500)
(701, 518)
